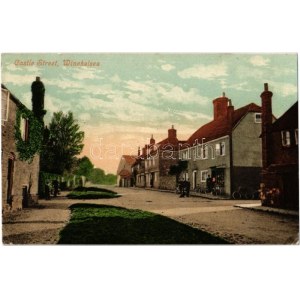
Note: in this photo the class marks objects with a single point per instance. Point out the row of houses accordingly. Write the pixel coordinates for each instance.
(20, 128)
(240, 148)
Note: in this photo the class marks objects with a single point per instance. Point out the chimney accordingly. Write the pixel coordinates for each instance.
(139, 151)
(144, 152)
(220, 107)
(152, 140)
(172, 133)
(230, 112)
(38, 94)
(266, 123)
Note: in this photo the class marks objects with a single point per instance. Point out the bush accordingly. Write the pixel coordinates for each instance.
(91, 195)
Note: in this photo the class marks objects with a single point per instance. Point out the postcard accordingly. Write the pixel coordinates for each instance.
(149, 148)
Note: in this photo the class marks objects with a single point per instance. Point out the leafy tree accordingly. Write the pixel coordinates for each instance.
(84, 167)
(97, 176)
(63, 141)
(178, 169)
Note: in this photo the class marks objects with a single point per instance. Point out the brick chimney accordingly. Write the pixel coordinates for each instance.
(144, 153)
(220, 107)
(172, 133)
(38, 94)
(230, 112)
(266, 122)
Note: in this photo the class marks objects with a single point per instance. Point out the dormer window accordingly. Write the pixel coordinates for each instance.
(285, 138)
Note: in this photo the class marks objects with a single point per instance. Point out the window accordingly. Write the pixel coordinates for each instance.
(257, 117)
(296, 136)
(4, 106)
(212, 153)
(204, 152)
(24, 128)
(204, 175)
(285, 138)
(217, 149)
(222, 148)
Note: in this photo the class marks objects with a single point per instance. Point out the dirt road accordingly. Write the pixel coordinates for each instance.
(220, 217)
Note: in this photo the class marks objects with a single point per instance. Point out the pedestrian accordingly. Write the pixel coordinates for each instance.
(47, 191)
(188, 186)
(181, 188)
(55, 187)
(208, 183)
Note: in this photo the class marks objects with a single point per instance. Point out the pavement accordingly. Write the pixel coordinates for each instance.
(259, 207)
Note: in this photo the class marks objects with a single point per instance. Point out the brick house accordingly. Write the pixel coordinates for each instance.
(124, 173)
(280, 164)
(153, 165)
(19, 176)
(228, 148)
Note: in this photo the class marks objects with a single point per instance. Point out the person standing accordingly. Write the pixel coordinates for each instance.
(208, 184)
(188, 186)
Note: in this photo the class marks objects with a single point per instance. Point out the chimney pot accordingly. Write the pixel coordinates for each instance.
(266, 87)
(223, 94)
(38, 78)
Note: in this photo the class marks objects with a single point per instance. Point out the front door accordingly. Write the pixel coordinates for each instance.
(194, 179)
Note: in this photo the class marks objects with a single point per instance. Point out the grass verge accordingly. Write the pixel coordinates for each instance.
(102, 224)
(92, 193)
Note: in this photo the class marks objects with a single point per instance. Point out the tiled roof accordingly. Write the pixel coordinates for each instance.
(124, 173)
(289, 120)
(221, 127)
(129, 159)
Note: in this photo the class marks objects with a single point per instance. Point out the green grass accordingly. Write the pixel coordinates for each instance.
(102, 224)
(92, 193)
(93, 189)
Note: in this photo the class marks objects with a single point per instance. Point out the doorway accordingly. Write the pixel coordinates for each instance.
(10, 178)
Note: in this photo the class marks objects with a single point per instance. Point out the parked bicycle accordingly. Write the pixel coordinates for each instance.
(245, 193)
(218, 190)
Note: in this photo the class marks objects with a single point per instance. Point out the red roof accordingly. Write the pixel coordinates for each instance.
(221, 127)
(125, 173)
(129, 159)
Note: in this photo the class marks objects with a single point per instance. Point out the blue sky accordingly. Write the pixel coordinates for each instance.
(128, 97)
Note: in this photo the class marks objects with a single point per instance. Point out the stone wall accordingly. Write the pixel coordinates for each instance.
(25, 174)
(167, 182)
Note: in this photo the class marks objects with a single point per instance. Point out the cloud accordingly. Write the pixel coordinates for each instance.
(167, 67)
(282, 88)
(86, 73)
(208, 72)
(17, 79)
(259, 61)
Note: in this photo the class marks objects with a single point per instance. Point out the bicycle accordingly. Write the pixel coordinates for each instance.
(218, 190)
(244, 193)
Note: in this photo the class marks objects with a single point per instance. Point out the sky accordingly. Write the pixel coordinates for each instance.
(124, 98)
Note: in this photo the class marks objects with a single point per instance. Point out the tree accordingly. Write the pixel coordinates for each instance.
(178, 169)
(97, 176)
(63, 143)
(84, 167)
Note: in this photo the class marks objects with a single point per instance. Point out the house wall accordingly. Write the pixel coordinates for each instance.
(246, 143)
(281, 154)
(247, 154)
(24, 172)
(196, 164)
